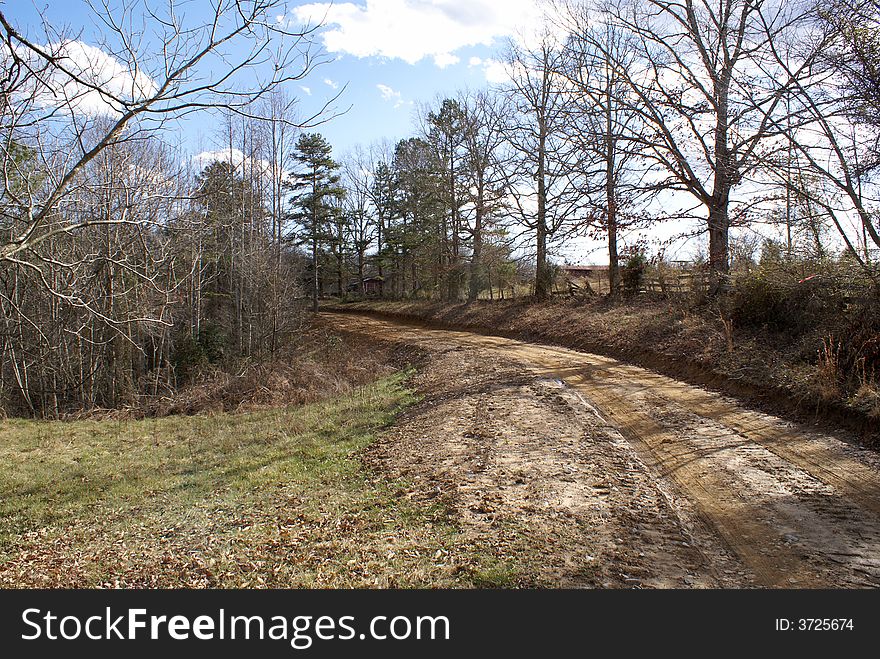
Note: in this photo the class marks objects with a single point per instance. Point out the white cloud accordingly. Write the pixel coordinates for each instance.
(389, 94)
(233, 156)
(77, 63)
(496, 71)
(446, 59)
(205, 158)
(412, 30)
(306, 90)
(331, 83)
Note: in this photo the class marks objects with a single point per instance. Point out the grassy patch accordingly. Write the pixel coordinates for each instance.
(275, 498)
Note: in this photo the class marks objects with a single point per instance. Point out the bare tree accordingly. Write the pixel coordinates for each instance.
(834, 140)
(485, 180)
(604, 123)
(382, 195)
(100, 245)
(708, 85)
(854, 53)
(59, 92)
(363, 223)
(279, 131)
(83, 315)
(542, 179)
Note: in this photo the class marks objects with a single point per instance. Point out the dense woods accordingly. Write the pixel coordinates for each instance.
(126, 265)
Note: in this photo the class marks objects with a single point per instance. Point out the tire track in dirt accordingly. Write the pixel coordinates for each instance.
(737, 520)
(798, 508)
(841, 466)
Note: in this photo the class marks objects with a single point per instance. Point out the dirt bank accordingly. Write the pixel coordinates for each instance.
(665, 337)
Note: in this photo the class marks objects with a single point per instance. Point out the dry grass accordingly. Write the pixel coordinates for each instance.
(321, 364)
(275, 498)
(867, 397)
(828, 372)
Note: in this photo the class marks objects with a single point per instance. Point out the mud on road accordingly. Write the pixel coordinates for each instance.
(591, 472)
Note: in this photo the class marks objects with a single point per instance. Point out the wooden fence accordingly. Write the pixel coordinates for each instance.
(676, 282)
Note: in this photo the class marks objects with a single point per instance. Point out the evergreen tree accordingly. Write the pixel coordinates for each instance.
(221, 194)
(419, 232)
(316, 192)
(446, 135)
(384, 195)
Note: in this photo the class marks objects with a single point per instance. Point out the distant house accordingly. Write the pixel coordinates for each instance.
(373, 286)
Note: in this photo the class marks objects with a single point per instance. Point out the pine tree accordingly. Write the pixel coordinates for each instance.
(316, 189)
(446, 136)
(220, 194)
(418, 233)
(384, 195)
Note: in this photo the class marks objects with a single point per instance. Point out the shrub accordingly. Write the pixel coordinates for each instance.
(633, 275)
(190, 353)
(783, 301)
(187, 355)
(807, 302)
(861, 337)
(214, 341)
(758, 301)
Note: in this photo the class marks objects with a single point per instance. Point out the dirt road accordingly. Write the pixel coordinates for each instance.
(610, 475)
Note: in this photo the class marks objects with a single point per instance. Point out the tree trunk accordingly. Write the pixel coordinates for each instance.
(454, 273)
(340, 284)
(542, 269)
(476, 274)
(613, 259)
(719, 230)
(315, 280)
(611, 195)
(379, 232)
(719, 219)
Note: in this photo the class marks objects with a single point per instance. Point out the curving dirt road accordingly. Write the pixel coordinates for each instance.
(622, 477)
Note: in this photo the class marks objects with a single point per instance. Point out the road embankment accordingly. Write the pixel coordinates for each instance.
(672, 340)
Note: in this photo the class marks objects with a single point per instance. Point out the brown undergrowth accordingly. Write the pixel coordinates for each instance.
(321, 364)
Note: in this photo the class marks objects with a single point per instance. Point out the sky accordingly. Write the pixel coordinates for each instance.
(386, 56)
(391, 55)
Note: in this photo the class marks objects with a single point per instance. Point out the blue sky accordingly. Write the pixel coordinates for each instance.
(383, 94)
(389, 55)
(394, 54)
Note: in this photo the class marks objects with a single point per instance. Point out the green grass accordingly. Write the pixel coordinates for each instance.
(276, 498)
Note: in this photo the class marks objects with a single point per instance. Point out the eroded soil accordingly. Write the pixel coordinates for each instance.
(604, 474)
